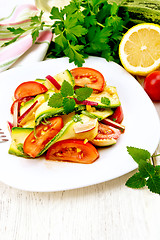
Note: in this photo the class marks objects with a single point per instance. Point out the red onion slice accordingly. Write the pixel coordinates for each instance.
(54, 82)
(25, 114)
(15, 114)
(86, 102)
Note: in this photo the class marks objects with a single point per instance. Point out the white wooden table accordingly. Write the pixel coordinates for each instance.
(106, 211)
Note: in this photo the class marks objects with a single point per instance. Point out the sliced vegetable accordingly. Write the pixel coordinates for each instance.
(107, 132)
(26, 116)
(37, 140)
(88, 77)
(19, 135)
(86, 102)
(106, 136)
(117, 116)
(30, 88)
(110, 96)
(15, 114)
(114, 124)
(54, 82)
(73, 151)
(86, 125)
(20, 101)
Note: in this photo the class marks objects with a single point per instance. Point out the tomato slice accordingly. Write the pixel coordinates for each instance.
(117, 116)
(107, 132)
(29, 88)
(88, 77)
(35, 142)
(73, 151)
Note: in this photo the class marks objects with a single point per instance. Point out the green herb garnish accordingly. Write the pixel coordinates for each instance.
(77, 118)
(147, 175)
(81, 29)
(105, 100)
(65, 98)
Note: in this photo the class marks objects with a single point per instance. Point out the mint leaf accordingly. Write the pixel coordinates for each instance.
(105, 100)
(83, 93)
(157, 170)
(153, 183)
(56, 100)
(145, 168)
(16, 31)
(69, 105)
(67, 89)
(138, 154)
(136, 181)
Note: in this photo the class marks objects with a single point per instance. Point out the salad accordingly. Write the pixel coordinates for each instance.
(65, 117)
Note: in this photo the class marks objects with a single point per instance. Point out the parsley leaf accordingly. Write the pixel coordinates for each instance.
(77, 118)
(69, 105)
(56, 100)
(16, 31)
(9, 42)
(56, 14)
(66, 89)
(83, 93)
(105, 100)
(84, 28)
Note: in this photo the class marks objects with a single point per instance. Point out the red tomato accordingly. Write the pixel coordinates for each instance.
(117, 116)
(29, 88)
(107, 132)
(73, 151)
(88, 77)
(152, 85)
(34, 144)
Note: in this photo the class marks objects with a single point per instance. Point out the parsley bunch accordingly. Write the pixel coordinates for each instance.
(87, 27)
(148, 174)
(36, 24)
(82, 28)
(65, 98)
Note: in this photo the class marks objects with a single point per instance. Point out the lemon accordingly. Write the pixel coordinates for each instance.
(139, 49)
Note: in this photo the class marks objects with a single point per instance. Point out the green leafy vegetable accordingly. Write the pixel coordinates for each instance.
(56, 100)
(77, 118)
(66, 89)
(69, 105)
(148, 174)
(16, 30)
(105, 100)
(138, 154)
(81, 28)
(83, 93)
(65, 98)
(87, 28)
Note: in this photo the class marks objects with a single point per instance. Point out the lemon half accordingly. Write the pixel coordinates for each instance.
(139, 49)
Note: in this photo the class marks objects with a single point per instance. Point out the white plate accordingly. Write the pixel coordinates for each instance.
(140, 119)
